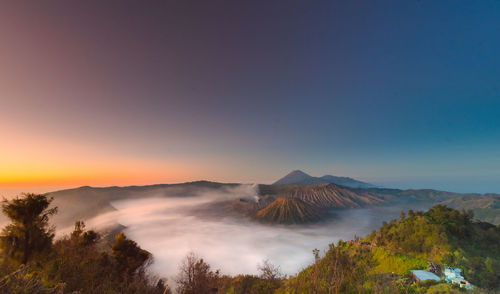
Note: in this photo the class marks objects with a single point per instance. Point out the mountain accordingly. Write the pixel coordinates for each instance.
(85, 203)
(288, 210)
(345, 181)
(485, 207)
(340, 197)
(298, 177)
(335, 196)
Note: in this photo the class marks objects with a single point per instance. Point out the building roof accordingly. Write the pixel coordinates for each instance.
(453, 269)
(425, 275)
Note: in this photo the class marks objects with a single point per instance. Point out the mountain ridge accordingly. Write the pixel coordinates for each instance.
(298, 177)
(87, 202)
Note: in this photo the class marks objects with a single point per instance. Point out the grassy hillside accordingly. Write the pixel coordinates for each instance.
(447, 236)
(381, 262)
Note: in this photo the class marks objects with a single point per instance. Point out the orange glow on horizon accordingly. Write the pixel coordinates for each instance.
(97, 177)
(42, 160)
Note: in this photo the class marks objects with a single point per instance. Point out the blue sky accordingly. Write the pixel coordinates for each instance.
(400, 93)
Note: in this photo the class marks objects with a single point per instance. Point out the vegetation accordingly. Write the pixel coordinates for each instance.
(444, 235)
(82, 262)
(196, 277)
(345, 267)
(29, 232)
(381, 262)
(30, 262)
(388, 262)
(270, 279)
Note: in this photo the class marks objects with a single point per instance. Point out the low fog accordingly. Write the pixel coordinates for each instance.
(168, 228)
(170, 223)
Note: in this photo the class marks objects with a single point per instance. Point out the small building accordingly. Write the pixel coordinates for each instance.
(453, 275)
(452, 272)
(421, 276)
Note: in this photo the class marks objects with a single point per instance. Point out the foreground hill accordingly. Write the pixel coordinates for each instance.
(298, 177)
(381, 262)
(446, 236)
(288, 210)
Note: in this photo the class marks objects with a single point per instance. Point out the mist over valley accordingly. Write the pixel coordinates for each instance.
(235, 227)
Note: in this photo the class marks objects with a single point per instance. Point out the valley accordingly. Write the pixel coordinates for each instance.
(253, 202)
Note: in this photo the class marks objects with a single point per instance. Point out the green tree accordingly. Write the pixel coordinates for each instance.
(76, 260)
(29, 231)
(130, 258)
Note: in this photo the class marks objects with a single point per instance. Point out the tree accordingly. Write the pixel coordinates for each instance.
(269, 271)
(76, 260)
(271, 276)
(130, 258)
(29, 231)
(196, 277)
(339, 262)
(82, 237)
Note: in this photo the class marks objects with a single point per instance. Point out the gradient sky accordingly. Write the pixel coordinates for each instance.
(398, 93)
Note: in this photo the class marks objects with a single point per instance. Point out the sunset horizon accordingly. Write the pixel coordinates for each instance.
(249, 147)
(72, 113)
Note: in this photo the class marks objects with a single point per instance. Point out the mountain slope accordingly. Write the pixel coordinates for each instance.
(86, 202)
(447, 236)
(420, 240)
(298, 177)
(288, 210)
(345, 181)
(485, 207)
(335, 196)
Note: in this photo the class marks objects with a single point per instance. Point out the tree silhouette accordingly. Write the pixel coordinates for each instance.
(29, 231)
(196, 277)
(130, 258)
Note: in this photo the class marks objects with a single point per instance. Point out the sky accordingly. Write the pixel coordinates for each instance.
(402, 94)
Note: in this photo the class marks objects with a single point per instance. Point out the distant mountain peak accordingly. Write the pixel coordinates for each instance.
(298, 177)
(297, 172)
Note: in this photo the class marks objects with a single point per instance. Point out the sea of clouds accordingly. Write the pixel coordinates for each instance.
(170, 225)
(168, 228)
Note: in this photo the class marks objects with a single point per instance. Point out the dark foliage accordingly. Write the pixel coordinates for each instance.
(78, 263)
(29, 231)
